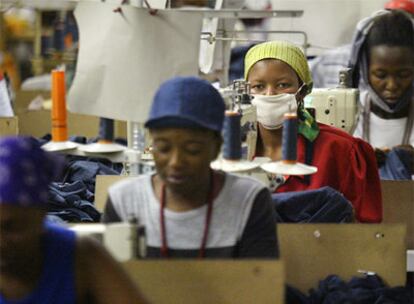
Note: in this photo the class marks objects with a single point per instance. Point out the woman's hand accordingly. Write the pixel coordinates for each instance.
(381, 155)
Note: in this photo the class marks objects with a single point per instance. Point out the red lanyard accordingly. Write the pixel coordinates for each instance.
(210, 198)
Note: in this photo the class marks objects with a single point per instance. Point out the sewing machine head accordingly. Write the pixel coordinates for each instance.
(336, 107)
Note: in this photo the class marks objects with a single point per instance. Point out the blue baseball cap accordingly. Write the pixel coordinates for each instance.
(26, 171)
(187, 102)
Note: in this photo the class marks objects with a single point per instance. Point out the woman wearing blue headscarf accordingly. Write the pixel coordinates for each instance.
(383, 62)
(40, 262)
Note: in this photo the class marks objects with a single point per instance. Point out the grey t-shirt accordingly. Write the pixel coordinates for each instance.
(242, 224)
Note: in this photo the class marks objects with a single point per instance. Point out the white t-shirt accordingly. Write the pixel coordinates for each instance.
(383, 132)
(135, 197)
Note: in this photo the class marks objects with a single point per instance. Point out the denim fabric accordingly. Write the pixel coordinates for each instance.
(71, 198)
(396, 295)
(294, 296)
(324, 205)
(399, 165)
(72, 215)
(71, 192)
(359, 290)
(85, 170)
(72, 202)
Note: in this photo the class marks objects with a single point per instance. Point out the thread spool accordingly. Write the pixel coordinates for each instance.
(289, 165)
(106, 130)
(231, 136)
(289, 138)
(59, 113)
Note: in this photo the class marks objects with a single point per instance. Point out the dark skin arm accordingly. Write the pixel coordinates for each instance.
(100, 279)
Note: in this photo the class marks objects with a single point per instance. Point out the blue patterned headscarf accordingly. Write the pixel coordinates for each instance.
(25, 171)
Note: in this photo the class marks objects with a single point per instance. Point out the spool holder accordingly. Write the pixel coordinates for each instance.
(289, 164)
(105, 143)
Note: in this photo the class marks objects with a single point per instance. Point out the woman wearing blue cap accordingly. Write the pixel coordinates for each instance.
(39, 262)
(280, 79)
(188, 209)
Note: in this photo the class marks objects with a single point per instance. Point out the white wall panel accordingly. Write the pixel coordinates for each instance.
(328, 23)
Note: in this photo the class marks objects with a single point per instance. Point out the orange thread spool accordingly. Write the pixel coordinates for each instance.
(59, 113)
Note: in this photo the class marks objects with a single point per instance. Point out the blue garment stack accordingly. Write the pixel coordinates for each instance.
(369, 289)
(324, 205)
(71, 196)
(86, 169)
(361, 290)
(72, 202)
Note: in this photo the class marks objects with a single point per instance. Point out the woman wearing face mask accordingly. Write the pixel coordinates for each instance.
(279, 76)
(383, 61)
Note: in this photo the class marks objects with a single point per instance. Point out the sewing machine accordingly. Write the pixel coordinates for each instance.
(125, 241)
(336, 107)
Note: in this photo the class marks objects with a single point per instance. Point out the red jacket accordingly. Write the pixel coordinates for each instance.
(347, 164)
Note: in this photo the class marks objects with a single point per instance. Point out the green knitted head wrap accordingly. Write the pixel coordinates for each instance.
(295, 58)
(284, 51)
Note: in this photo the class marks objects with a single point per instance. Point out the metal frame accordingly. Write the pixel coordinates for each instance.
(222, 13)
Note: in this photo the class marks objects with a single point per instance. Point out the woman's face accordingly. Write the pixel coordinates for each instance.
(272, 77)
(183, 156)
(391, 71)
(20, 235)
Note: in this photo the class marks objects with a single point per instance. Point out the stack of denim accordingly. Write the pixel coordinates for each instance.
(71, 196)
(359, 290)
(369, 289)
(72, 202)
(324, 205)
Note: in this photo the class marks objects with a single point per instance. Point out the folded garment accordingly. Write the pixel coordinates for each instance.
(369, 289)
(324, 205)
(72, 202)
(399, 165)
(85, 170)
(295, 296)
(72, 215)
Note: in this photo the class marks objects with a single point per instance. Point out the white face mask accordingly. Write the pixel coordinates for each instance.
(270, 109)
